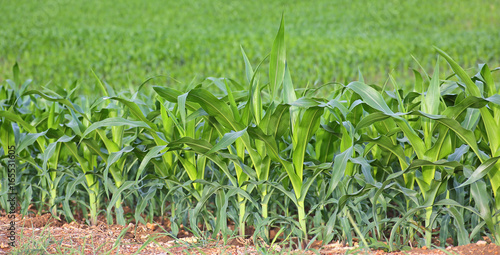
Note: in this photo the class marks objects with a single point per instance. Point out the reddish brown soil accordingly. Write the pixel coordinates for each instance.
(42, 234)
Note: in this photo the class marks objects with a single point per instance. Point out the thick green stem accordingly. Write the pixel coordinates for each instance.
(496, 234)
(264, 216)
(264, 211)
(172, 210)
(242, 201)
(52, 200)
(41, 205)
(118, 203)
(94, 205)
(120, 220)
(263, 204)
(496, 221)
(428, 232)
(302, 218)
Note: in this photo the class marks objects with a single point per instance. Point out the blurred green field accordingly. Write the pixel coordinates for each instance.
(125, 42)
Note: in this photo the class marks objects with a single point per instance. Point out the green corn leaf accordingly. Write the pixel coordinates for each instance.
(288, 94)
(471, 119)
(232, 101)
(371, 119)
(146, 198)
(280, 120)
(190, 169)
(227, 140)
(167, 93)
(271, 145)
(488, 79)
(113, 122)
(15, 118)
(400, 106)
(285, 192)
(324, 145)
(444, 163)
(370, 96)
(198, 145)
(466, 135)
(214, 107)
(387, 144)
(248, 66)
(116, 157)
(101, 85)
(135, 110)
(181, 103)
(419, 87)
(338, 169)
(305, 102)
(28, 140)
(15, 73)
(472, 89)
(481, 171)
(256, 103)
(463, 234)
(117, 195)
(94, 146)
(366, 169)
(482, 200)
(221, 202)
(304, 131)
(28, 198)
(470, 102)
(75, 124)
(6, 137)
(246, 116)
(63, 101)
(347, 140)
(70, 189)
(218, 82)
(489, 122)
(152, 153)
(202, 147)
(431, 100)
(476, 231)
(278, 59)
(335, 104)
(82, 161)
(426, 75)
(345, 198)
(307, 184)
(443, 202)
(47, 154)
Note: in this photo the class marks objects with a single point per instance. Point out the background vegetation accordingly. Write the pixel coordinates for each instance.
(125, 42)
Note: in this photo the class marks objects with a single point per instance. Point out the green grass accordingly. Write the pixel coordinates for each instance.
(126, 42)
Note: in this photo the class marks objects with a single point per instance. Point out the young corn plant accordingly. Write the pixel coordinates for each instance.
(45, 117)
(483, 90)
(304, 122)
(436, 143)
(87, 161)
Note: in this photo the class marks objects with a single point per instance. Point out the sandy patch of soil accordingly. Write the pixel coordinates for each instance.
(42, 234)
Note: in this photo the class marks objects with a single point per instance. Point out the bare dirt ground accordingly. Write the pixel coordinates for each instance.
(42, 234)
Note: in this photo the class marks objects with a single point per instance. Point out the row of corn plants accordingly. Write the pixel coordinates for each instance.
(384, 164)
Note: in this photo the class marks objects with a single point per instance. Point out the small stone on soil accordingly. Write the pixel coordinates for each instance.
(481, 243)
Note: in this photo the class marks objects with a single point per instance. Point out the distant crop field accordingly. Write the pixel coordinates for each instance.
(126, 42)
